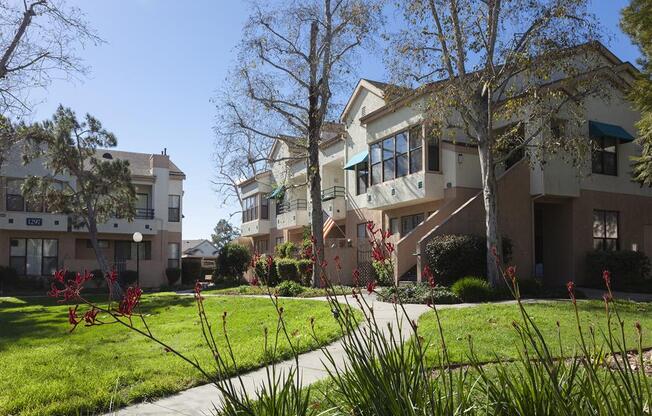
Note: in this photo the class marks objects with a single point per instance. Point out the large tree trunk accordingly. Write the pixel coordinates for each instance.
(116, 290)
(317, 214)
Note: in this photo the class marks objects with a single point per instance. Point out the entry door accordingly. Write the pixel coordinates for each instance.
(538, 241)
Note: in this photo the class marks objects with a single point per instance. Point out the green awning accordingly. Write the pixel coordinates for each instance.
(356, 160)
(598, 129)
(276, 193)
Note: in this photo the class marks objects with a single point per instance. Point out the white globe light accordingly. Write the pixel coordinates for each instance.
(138, 237)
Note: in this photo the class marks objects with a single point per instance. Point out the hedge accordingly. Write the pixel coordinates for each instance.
(172, 274)
(630, 270)
(287, 269)
(263, 274)
(232, 262)
(191, 271)
(304, 266)
(472, 289)
(453, 256)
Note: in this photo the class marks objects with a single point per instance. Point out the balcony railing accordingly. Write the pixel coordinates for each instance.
(144, 214)
(332, 193)
(296, 205)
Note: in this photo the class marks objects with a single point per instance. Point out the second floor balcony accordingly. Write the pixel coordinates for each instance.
(333, 202)
(292, 214)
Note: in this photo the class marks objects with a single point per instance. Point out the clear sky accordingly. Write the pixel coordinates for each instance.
(152, 82)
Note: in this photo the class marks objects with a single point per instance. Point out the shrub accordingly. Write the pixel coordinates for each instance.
(304, 267)
(418, 293)
(289, 288)
(287, 269)
(269, 277)
(232, 262)
(286, 250)
(98, 277)
(128, 277)
(191, 271)
(384, 271)
(8, 277)
(630, 270)
(173, 274)
(472, 289)
(453, 256)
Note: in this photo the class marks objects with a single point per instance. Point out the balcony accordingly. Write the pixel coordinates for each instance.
(333, 202)
(292, 214)
(408, 190)
(144, 214)
(255, 228)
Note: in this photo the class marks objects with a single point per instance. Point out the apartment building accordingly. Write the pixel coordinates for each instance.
(387, 167)
(36, 242)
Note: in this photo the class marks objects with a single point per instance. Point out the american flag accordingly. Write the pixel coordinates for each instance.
(329, 223)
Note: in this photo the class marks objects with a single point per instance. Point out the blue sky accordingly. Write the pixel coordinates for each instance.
(152, 82)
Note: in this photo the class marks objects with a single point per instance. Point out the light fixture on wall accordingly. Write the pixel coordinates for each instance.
(460, 158)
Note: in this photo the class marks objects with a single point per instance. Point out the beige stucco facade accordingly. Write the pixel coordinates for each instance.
(35, 243)
(546, 207)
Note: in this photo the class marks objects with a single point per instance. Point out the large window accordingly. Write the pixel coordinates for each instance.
(14, 199)
(264, 208)
(362, 178)
(34, 256)
(362, 231)
(261, 246)
(605, 156)
(173, 255)
(396, 156)
(410, 222)
(126, 250)
(433, 151)
(605, 230)
(250, 208)
(174, 208)
(376, 163)
(394, 226)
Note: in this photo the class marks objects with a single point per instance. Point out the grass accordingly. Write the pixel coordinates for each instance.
(309, 292)
(490, 327)
(47, 370)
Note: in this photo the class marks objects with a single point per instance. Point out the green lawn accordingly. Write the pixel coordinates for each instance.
(490, 327)
(46, 370)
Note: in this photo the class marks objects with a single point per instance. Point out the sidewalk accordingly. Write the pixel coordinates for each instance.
(203, 399)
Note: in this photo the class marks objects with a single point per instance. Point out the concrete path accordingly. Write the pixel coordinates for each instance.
(203, 399)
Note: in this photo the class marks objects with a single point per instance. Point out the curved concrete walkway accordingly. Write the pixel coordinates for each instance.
(202, 400)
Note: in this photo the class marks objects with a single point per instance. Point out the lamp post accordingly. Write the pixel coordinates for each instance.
(138, 237)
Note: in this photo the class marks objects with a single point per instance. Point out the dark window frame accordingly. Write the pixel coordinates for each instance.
(410, 222)
(603, 242)
(599, 156)
(44, 259)
(11, 199)
(413, 154)
(376, 166)
(174, 213)
(174, 262)
(361, 178)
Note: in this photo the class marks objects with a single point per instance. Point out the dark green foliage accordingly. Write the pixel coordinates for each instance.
(630, 270)
(418, 293)
(304, 266)
(223, 233)
(287, 269)
(173, 274)
(472, 289)
(98, 277)
(233, 261)
(128, 277)
(191, 271)
(289, 288)
(286, 250)
(453, 256)
(8, 278)
(264, 274)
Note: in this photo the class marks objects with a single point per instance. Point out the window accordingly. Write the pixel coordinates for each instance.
(101, 243)
(362, 231)
(394, 226)
(433, 152)
(402, 157)
(249, 208)
(416, 148)
(279, 241)
(375, 162)
(126, 250)
(410, 222)
(34, 256)
(362, 177)
(605, 230)
(264, 208)
(261, 246)
(174, 208)
(389, 166)
(173, 255)
(605, 157)
(14, 199)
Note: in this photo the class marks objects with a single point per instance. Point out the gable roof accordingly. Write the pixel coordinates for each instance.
(375, 87)
(190, 246)
(139, 163)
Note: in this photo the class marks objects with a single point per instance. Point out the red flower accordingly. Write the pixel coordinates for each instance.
(427, 274)
(60, 275)
(270, 262)
(254, 282)
(370, 227)
(198, 289)
(390, 247)
(388, 234)
(371, 285)
(73, 319)
(511, 273)
(338, 264)
(571, 291)
(90, 316)
(130, 300)
(606, 276)
(112, 276)
(356, 277)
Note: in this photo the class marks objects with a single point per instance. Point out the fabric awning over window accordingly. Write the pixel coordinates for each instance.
(357, 159)
(598, 129)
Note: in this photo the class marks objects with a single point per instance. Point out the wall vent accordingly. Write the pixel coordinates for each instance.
(420, 184)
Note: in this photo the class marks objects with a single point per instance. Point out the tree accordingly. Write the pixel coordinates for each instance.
(637, 23)
(88, 188)
(485, 70)
(292, 57)
(37, 43)
(224, 233)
